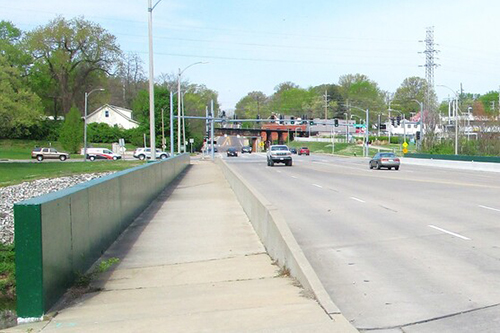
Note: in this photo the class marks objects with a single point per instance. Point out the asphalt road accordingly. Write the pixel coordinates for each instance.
(414, 250)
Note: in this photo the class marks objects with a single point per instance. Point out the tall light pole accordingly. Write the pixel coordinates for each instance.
(151, 83)
(421, 121)
(456, 115)
(85, 122)
(179, 103)
(346, 128)
(367, 126)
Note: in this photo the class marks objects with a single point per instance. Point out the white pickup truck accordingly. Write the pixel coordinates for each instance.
(279, 154)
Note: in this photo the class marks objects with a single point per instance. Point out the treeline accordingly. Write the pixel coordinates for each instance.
(45, 72)
(354, 91)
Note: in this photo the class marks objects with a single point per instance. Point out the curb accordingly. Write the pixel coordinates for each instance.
(281, 245)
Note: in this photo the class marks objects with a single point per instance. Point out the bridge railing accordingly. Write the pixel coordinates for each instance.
(60, 235)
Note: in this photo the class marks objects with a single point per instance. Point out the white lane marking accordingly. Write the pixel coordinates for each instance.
(448, 232)
(317, 185)
(486, 207)
(353, 198)
(278, 171)
(294, 177)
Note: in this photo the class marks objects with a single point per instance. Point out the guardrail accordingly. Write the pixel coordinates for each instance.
(61, 234)
(491, 159)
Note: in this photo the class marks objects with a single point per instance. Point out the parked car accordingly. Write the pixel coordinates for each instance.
(246, 149)
(304, 151)
(232, 152)
(102, 154)
(143, 153)
(385, 160)
(48, 153)
(293, 150)
(279, 154)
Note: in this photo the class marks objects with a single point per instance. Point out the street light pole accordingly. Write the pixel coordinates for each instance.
(171, 123)
(455, 107)
(179, 103)
(346, 128)
(85, 122)
(151, 83)
(421, 121)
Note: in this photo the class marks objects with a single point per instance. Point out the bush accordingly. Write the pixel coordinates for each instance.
(45, 130)
(103, 133)
(71, 134)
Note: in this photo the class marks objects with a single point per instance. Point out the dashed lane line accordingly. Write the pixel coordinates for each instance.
(449, 232)
(490, 208)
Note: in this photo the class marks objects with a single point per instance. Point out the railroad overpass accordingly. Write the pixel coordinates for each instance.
(268, 133)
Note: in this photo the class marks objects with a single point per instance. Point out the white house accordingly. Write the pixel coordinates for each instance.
(113, 115)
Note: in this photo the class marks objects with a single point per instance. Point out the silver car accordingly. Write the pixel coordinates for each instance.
(385, 160)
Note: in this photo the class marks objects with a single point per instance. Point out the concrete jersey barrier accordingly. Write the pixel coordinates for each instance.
(60, 235)
(277, 237)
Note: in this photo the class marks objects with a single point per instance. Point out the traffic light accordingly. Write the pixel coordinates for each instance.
(399, 120)
(418, 135)
(392, 121)
(281, 119)
(292, 120)
(336, 122)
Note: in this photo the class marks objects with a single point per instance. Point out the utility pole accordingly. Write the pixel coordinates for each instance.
(326, 104)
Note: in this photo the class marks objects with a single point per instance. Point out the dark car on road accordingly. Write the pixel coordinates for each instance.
(246, 149)
(232, 152)
(385, 160)
(293, 150)
(304, 151)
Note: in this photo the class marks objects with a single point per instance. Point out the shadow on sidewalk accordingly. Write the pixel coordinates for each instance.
(119, 249)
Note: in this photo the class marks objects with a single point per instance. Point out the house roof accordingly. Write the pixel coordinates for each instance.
(125, 113)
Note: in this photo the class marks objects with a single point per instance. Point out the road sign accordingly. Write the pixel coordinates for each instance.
(405, 151)
(405, 145)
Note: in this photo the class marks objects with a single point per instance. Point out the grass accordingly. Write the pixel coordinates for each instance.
(349, 149)
(16, 173)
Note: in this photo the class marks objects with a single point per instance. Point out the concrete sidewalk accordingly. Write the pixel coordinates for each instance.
(192, 263)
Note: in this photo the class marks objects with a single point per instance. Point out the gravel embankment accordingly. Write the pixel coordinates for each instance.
(12, 194)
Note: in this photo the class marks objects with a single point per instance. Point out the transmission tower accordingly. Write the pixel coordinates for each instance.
(429, 52)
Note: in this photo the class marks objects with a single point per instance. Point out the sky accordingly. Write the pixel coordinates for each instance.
(256, 45)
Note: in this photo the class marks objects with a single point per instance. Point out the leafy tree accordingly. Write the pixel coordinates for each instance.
(20, 108)
(412, 88)
(71, 136)
(74, 54)
(253, 104)
(11, 47)
(490, 102)
(140, 111)
(290, 99)
(362, 92)
(335, 102)
(196, 99)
